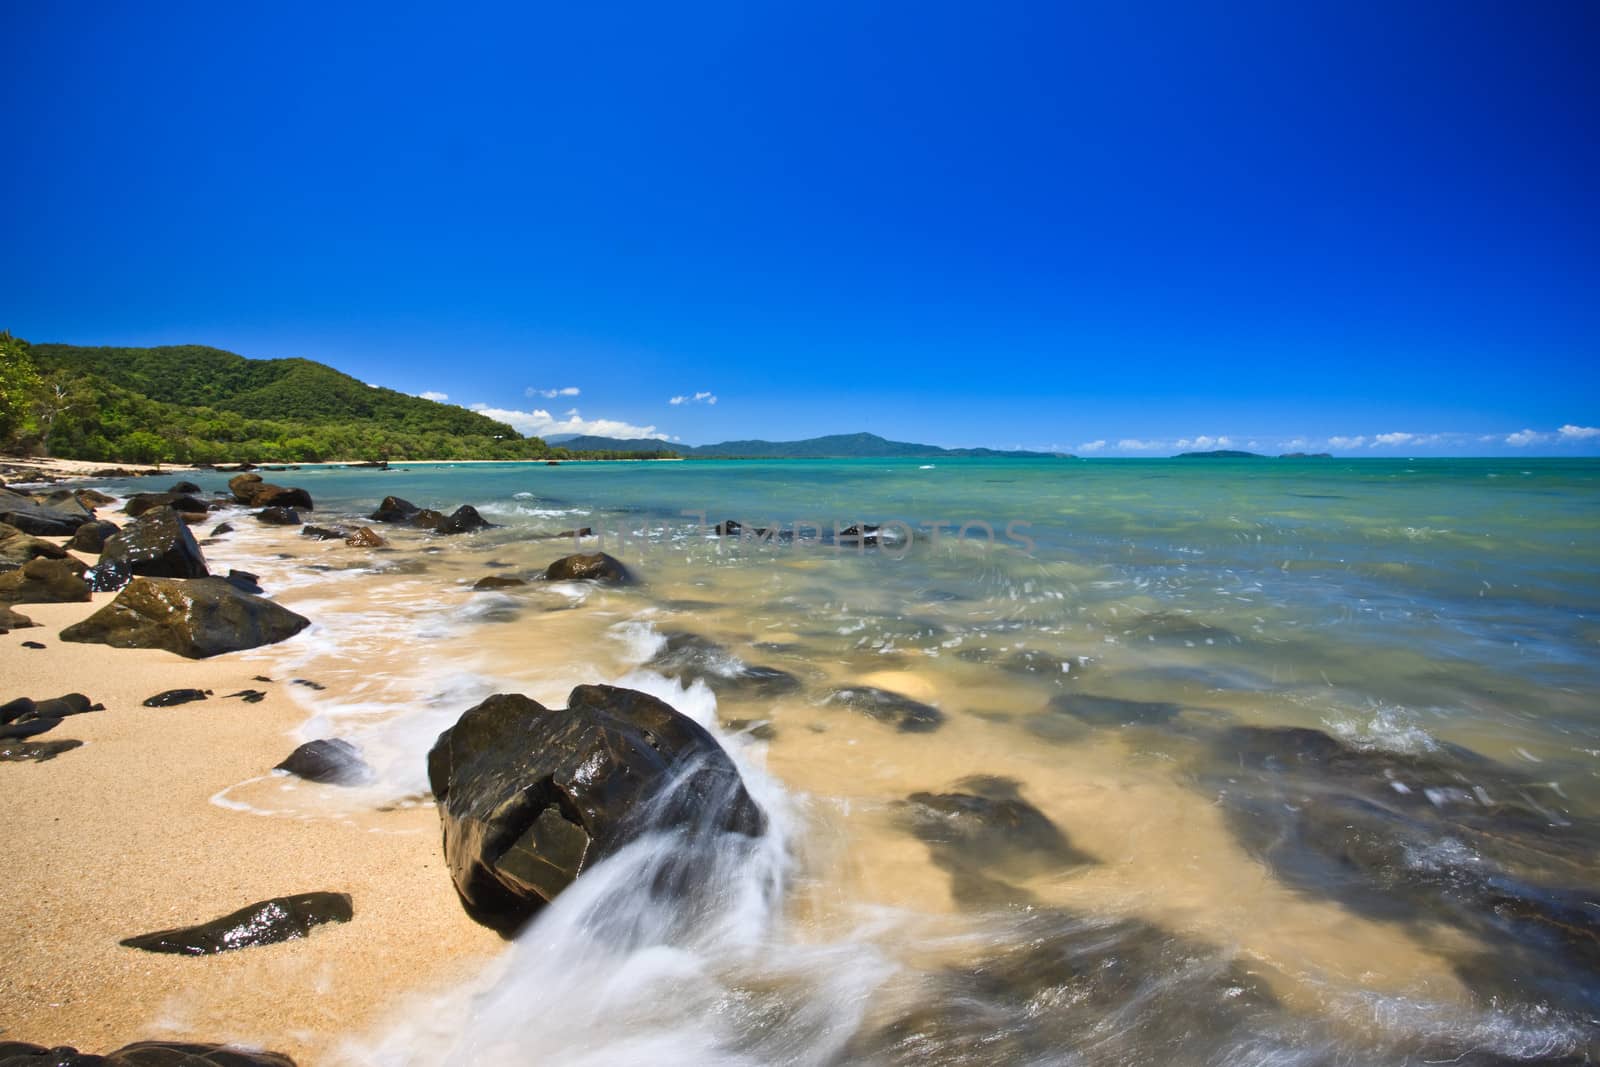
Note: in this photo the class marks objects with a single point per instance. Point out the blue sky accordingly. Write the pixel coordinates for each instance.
(1369, 228)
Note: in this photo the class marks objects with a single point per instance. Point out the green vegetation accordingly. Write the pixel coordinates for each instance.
(836, 446)
(192, 404)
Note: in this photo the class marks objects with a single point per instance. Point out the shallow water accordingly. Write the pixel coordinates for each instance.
(1219, 893)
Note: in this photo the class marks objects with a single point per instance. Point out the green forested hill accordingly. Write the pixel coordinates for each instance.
(189, 403)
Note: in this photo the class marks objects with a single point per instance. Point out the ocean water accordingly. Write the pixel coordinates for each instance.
(1232, 761)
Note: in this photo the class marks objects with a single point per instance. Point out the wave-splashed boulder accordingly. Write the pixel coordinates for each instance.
(691, 658)
(895, 709)
(91, 537)
(593, 567)
(140, 1054)
(195, 618)
(464, 519)
(394, 509)
(251, 490)
(157, 544)
(45, 581)
(278, 516)
(531, 797)
(263, 923)
(331, 761)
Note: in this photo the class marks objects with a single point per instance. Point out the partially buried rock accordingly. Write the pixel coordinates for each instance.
(594, 567)
(323, 533)
(331, 761)
(34, 752)
(497, 581)
(28, 727)
(155, 545)
(464, 519)
(265, 923)
(691, 658)
(222, 528)
(173, 697)
(365, 537)
(901, 712)
(17, 548)
(12, 620)
(278, 516)
(139, 503)
(531, 797)
(196, 618)
(92, 537)
(45, 581)
(140, 1054)
(22, 709)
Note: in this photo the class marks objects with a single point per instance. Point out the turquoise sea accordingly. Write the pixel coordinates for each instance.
(1230, 761)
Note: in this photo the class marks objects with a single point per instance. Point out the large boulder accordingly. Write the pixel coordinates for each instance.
(157, 544)
(139, 503)
(195, 618)
(250, 489)
(464, 519)
(45, 581)
(12, 620)
(91, 537)
(594, 567)
(43, 520)
(139, 1054)
(531, 797)
(263, 923)
(278, 516)
(17, 548)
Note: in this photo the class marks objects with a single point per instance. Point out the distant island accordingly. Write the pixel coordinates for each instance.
(1234, 453)
(835, 446)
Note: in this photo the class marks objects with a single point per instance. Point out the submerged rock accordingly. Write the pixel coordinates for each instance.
(157, 544)
(140, 1054)
(394, 509)
(174, 697)
(276, 516)
(987, 834)
(324, 533)
(331, 761)
(195, 618)
(901, 712)
(365, 537)
(593, 567)
(691, 658)
(530, 797)
(45, 581)
(464, 519)
(244, 581)
(264, 923)
(1106, 711)
(497, 581)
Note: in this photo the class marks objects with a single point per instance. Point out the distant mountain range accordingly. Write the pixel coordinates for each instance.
(835, 446)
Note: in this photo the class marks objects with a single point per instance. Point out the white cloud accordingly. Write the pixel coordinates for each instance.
(551, 394)
(1570, 432)
(1091, 446)
(1203, 443)
(1393, 439)
(540, 423)
(1299, 444)
(1523, 438)
(697, 398)
(431, 395)
(1133, 444)
(1348, 442)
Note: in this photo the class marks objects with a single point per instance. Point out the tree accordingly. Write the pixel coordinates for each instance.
(18, 383)
(142, 446)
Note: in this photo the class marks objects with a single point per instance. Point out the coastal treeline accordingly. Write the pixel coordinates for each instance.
(193, 404)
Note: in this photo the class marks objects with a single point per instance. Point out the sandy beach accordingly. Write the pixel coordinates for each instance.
(122, 837)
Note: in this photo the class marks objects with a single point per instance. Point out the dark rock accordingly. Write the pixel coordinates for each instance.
(867, 535)
(22, 709)
(44, 520)
(728, 528)
(268, 495)
(12, 710)
(139, 503)
(497, 581)
(364, 537)
(582, 531)
(595, 567)
(760, 729)
(45, 581)
(222, 528)
(323, 533)
(1107, 711)
(12, 620)
(394, 509)
(985, 833)
(1176, 627)
(140, 1054)
(17, 548)
(173, 697)
(691, 658)
(93, 498)
(265, 923)
(278, 517)
(531, 797)
(31, 644)
(308, 683)
(426, 519)
(331, 761)
(185, 488)
(28, 727)
(34, 752)
(243, 487)
(249, 696)
(901, 712)
(195, 618)
(155, 545)
(92, 536)
(464, 519)
(244, 581)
